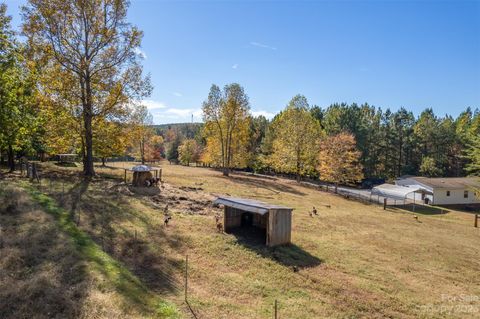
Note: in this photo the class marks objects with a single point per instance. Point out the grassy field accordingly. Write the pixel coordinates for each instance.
(354, 260)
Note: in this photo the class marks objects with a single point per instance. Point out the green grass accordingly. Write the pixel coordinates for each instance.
(117, 275)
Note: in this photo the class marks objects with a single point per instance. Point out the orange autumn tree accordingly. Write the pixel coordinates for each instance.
(338, 160)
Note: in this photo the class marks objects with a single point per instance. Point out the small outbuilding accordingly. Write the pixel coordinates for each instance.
(141, 173)
(272, 222)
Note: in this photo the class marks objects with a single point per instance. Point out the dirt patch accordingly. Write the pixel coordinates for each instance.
(188, 200)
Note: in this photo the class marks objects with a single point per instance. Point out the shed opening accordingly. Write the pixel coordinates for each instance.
(256, 221)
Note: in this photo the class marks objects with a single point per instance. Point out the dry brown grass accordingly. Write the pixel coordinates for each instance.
(355, 260)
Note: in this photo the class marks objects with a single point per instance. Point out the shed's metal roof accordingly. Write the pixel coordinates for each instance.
(397, 191)
(249, 205)
(141, 168)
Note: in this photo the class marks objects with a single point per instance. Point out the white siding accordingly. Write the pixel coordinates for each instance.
(440, 194)
(456, 197)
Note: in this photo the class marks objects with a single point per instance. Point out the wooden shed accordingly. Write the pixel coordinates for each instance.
(274, 222)
(141, 173)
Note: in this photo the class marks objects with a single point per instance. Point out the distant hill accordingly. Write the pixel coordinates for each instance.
(188, 130)
(176, 125)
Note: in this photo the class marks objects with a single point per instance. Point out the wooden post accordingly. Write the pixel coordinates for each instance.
(160, 174)
(384, 203)
(125, 176)
(276, 309)
(476, 220)
(186, 277)
(135, 248)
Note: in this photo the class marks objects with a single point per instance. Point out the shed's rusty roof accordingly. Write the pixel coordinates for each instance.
(249, 205)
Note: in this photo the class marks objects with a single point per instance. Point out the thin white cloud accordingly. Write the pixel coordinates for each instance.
(163, 114)
(182, 112)
(153, 105)
(262, 45)
(268, 115)
(140, 53)
(235, 66)
(177, 94)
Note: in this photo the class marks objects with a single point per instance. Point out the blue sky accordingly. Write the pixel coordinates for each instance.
(387, 53)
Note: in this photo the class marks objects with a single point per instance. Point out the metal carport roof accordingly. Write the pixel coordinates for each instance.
(397, 191)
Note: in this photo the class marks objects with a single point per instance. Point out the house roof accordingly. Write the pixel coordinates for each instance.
(449, 182)
(397, 191)
(249, 205)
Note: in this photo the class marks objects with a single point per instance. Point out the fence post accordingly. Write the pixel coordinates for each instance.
(135, 248)
(384, 203)
(186, 276)
(476, 220)
(276, 309)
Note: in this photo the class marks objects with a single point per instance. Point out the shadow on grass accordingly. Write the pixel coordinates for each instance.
(289, 255)
(123, 280)
(270, 185)
(66, 164)
(41, 275)
(102, 212)
(76, 192)
(422, 209)
(108, 167)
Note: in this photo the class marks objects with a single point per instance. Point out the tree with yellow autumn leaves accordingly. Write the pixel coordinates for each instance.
(339, 160)
(226, 130)
(295, 139)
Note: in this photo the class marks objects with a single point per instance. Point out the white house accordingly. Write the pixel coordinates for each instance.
(444, 190)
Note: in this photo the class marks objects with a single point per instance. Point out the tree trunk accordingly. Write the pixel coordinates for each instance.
(11, 159)
(142, 150)
(103, 161)
(336, 188)
(88, 169)
(226, 171)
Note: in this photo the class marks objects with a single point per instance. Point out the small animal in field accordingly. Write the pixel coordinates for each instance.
(314, 211)
(219, 227)
(415, 217)
(166, 220)
(328, 206)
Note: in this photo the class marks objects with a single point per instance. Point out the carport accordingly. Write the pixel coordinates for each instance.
(400, 193)
(272, 222)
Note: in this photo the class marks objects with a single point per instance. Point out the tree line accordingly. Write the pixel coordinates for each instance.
(342, 142)
(75, 83)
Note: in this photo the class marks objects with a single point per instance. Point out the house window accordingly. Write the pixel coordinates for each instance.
(448, 193)
(465, 194)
